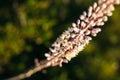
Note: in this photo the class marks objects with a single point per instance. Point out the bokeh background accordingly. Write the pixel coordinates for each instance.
(29, 27)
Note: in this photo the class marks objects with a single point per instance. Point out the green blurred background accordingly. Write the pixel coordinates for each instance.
(29, 27)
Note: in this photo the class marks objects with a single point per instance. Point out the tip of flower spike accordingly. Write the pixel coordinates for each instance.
(117, 2)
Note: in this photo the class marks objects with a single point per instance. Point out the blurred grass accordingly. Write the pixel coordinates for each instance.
(29, 27)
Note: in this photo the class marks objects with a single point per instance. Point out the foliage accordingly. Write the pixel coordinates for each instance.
(28, 27)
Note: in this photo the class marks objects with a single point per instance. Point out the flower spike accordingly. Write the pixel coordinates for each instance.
(75, 38)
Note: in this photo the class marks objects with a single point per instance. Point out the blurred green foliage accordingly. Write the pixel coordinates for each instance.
(29, 27)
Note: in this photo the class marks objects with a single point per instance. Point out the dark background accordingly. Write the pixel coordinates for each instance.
(29, 27)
